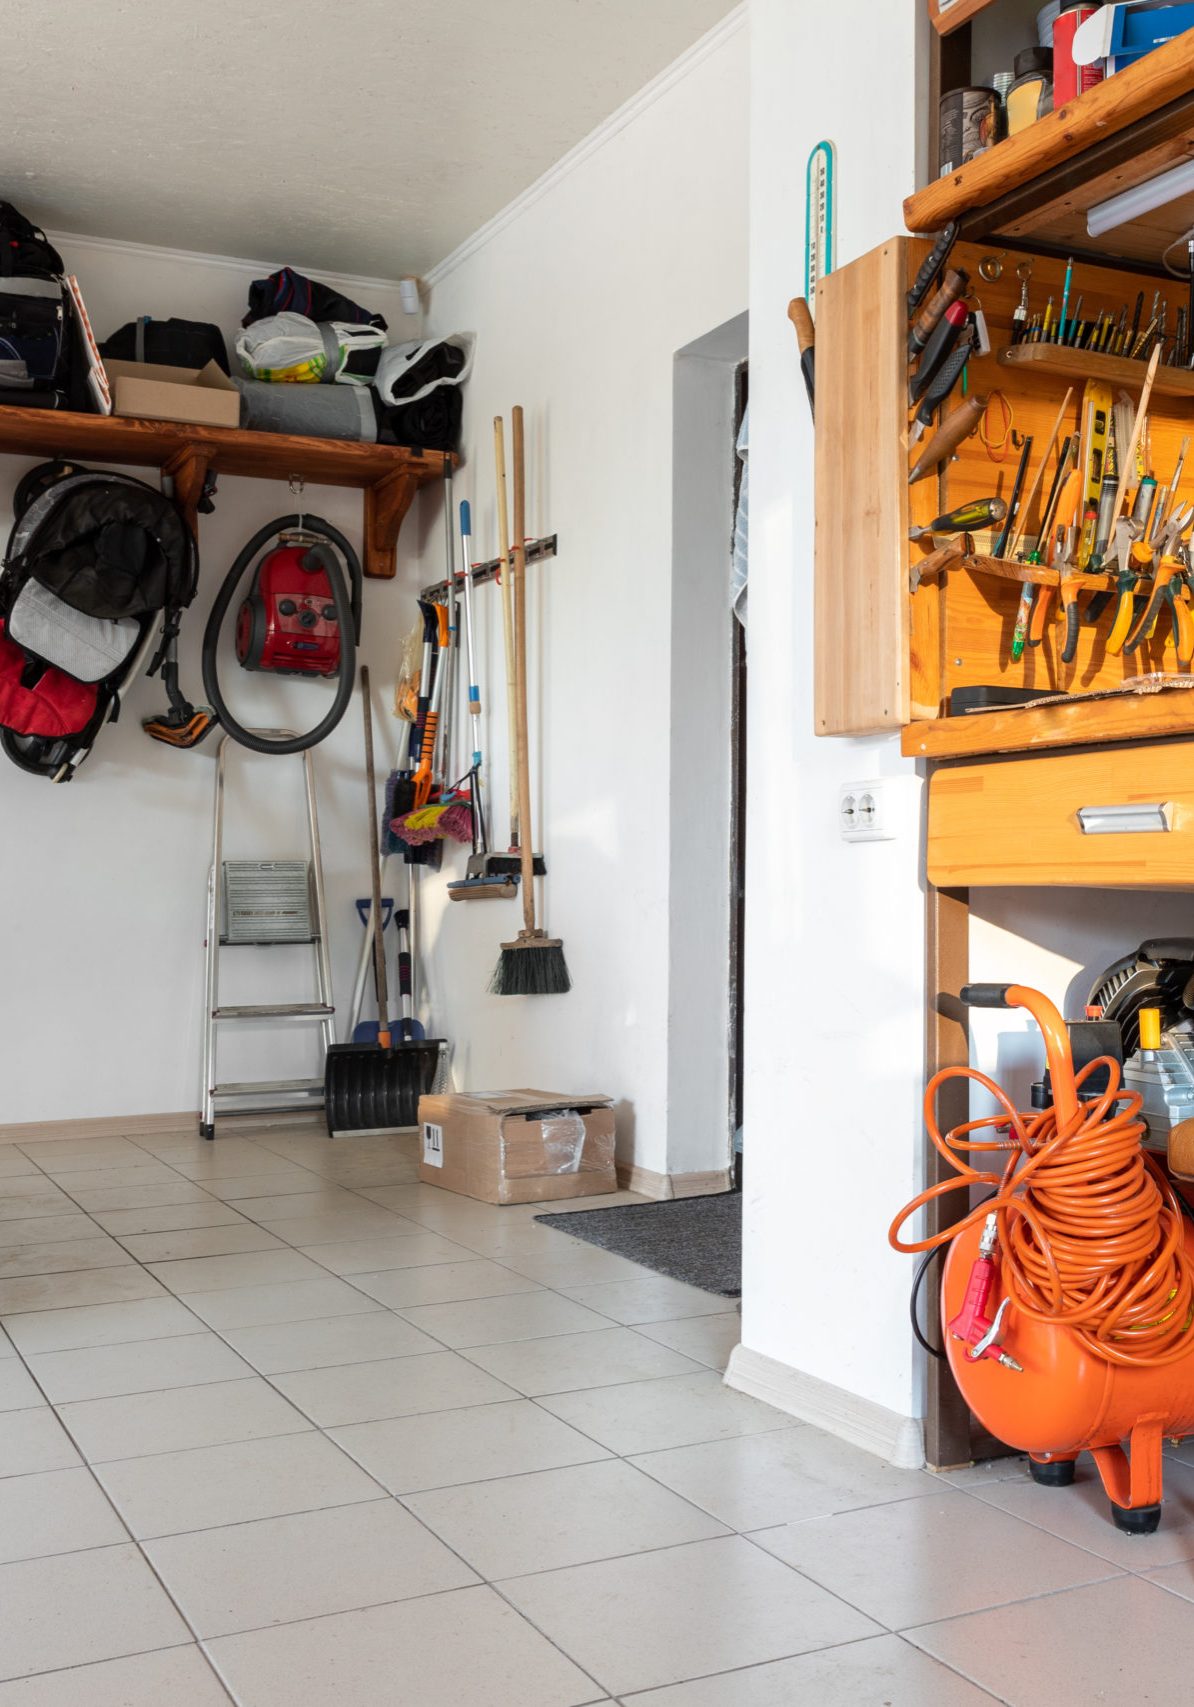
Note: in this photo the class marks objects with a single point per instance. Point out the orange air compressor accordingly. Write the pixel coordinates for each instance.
(1068, 1292)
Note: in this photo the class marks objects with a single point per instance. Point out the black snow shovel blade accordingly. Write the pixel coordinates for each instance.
(367, 1088)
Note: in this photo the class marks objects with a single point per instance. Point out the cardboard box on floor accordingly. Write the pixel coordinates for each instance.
(203, 397)
(518, 1146)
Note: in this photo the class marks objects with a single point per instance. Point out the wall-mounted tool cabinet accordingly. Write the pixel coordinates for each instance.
(895, 642)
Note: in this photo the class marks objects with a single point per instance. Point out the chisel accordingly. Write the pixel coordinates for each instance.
(801, 317)
(957, 425)
(967, 518)
(953, 286)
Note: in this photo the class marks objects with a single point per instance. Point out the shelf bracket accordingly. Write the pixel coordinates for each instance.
(187, 468)
(386, 504)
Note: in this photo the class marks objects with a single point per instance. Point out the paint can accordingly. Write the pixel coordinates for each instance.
(969, 123)
(1069, 78)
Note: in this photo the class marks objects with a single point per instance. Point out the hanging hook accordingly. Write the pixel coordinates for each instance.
(297, 486)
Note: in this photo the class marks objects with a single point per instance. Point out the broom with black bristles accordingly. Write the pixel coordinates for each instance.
(534, 964)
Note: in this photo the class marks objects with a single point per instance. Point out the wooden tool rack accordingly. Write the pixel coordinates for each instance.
(1005, 787)
(389, 475)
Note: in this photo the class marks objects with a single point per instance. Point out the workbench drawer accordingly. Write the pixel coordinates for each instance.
(1117, 819)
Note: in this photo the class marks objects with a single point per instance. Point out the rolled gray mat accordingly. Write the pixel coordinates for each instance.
(314, 411)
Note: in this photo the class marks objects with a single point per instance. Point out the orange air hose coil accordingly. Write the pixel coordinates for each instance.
(1090, 1231)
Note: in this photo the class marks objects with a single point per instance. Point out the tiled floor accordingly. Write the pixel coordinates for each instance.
(281, 1426)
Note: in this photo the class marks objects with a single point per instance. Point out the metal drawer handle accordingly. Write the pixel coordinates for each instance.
(1123, 820)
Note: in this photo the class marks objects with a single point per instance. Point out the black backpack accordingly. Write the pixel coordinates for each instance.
(34, 314)
(95, 562)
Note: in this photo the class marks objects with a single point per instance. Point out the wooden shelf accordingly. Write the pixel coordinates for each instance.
(1079, 365)
(1032, 574)
(1127, 717)
(947, 19)
(389, 475)
(1035, 187)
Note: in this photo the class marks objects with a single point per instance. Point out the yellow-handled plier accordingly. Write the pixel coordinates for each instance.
(1169, 588)
(1126, 534)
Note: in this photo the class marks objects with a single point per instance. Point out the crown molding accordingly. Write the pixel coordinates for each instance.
(190, 257)
(617, 121)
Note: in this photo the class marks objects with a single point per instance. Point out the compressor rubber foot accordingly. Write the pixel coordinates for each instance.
(1136, 1520)
(1057, 1473)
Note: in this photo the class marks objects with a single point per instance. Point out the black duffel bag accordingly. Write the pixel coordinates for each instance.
(168, 343)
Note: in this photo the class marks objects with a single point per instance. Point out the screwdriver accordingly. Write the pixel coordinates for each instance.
(967, 518)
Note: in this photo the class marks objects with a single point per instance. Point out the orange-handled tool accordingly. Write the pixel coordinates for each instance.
(423, 776)
(1063, 520)
(1125, 586)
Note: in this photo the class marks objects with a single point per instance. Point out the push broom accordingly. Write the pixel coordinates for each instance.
(533, 964)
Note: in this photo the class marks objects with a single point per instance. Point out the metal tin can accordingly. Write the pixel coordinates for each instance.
(1070, 79)
(969, 123)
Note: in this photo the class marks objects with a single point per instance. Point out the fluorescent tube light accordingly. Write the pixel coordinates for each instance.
(1140, 200)
(1122, 820)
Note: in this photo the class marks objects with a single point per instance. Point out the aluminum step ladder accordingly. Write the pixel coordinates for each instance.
(260, 903)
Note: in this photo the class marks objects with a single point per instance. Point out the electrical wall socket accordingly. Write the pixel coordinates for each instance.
(865, 811)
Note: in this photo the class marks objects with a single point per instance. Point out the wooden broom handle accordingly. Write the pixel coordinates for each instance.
(503, 521)
(519, 570)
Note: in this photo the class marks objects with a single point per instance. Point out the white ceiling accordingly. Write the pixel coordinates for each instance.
(371, 137)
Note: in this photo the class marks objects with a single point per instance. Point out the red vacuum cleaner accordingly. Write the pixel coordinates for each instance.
(301, 616)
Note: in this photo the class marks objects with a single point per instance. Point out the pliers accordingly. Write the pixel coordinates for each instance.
(1126, 535)
(1169, 587)
(1067, 567)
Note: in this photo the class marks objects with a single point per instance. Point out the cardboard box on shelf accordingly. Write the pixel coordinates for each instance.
(203, 396)
(518, 1146)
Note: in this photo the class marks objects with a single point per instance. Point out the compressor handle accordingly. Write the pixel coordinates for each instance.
(1053, 1030)
(985, 995)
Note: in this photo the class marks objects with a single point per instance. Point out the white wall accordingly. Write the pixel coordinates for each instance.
(580, 298)
(834, 943)
(581, 301)
(105, 878)
(1058, 941)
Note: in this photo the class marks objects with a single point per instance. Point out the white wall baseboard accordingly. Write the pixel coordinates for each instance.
(106, 1126)
(664, 1187)
(898, 1439)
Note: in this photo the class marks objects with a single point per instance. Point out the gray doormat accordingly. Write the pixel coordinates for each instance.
(694, 1239)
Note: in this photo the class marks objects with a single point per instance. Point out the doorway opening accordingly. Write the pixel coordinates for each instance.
(706, 1066)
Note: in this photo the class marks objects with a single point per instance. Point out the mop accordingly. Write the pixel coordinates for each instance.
(479, 883)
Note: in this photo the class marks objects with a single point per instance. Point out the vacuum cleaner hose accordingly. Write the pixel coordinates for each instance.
(347, 600)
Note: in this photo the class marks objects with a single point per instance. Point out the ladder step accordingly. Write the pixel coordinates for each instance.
(276, 1010)
(270, 1087)
(269, 942)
